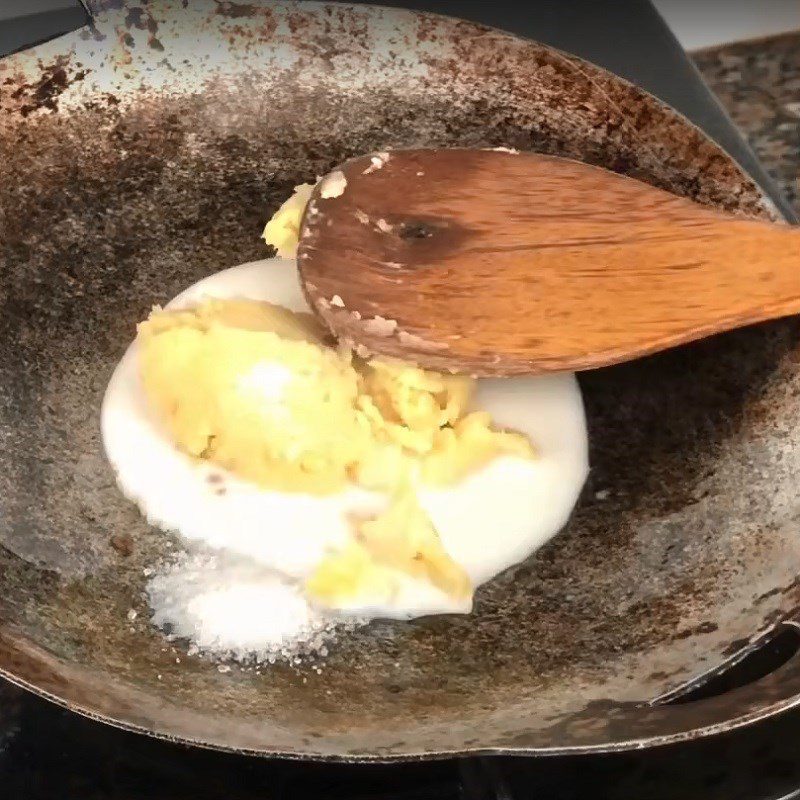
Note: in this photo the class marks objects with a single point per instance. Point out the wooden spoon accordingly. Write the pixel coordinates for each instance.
(496, 263)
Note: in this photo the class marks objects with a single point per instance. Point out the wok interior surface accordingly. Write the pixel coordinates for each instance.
(145, 153)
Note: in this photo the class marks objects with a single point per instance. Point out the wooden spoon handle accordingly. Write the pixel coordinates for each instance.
(498, 263)
(654, 282)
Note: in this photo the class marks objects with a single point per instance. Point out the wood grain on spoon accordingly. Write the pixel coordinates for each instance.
(496, 263)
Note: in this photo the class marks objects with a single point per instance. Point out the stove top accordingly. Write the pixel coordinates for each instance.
(47, 753)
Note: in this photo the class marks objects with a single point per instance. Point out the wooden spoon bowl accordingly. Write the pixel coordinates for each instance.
(493, 262)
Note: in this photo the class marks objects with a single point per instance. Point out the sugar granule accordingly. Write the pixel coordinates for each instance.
(231, 609)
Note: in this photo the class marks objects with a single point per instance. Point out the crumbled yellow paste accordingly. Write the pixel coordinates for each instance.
(402, 538)
(260, 391)
(254, 388)
(248, 386)
(283, 230)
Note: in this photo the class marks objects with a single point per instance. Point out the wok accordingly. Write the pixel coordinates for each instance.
(145, 152)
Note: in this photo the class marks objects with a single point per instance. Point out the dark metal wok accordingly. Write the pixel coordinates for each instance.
(146, 152)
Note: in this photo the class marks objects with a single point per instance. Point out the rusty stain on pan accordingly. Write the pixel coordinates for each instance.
(145, 152)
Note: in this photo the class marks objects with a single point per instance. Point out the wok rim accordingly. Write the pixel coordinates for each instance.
(735, 722)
